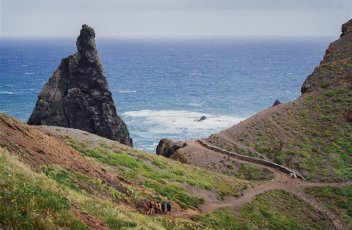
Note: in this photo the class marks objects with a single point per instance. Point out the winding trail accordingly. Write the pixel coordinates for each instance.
(282, 180)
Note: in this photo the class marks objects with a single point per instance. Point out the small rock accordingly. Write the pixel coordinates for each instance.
(277, 102)
(202, 118)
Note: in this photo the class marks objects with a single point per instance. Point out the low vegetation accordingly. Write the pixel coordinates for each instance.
(164, 176)
(29, 201)
(336, 199)
(275, 209)
(312, 135)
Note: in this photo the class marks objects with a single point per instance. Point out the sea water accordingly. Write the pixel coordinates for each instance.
(161, 88)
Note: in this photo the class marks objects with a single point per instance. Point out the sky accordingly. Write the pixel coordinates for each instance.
(173, 18)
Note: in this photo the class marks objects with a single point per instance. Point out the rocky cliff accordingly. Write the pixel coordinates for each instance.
(77, 95)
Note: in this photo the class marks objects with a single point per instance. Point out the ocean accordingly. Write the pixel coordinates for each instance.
(161, 88)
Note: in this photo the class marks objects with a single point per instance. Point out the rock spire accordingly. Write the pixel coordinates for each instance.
(77, 95)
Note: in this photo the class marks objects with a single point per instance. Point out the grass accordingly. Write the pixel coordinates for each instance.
(26, 203)
(336, 199)
(164, 176)
(310, 136)
(253, 173)
(30, 200)
(79, 182)
(174, 192)
(274, 209)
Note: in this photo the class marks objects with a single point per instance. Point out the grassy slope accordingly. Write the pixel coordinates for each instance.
(166, 177)
(32, 200)
(44, 182)
(311, 134)
(219, 163)
(275, 209)
(338, 200)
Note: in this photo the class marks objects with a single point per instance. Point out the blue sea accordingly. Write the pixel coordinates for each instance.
(162, 87)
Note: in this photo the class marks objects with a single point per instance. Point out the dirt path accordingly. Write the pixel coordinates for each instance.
(281, 181)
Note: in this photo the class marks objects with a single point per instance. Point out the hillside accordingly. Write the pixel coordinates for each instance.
(54, 177)
(312, 135)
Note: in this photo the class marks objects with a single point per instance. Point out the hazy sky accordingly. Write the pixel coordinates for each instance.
(174, 18)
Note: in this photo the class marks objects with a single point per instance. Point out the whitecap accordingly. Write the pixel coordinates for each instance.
(198, 105)
(179, 123)
(124, 91)
(29, 73)
(195, 73)
(6, 92)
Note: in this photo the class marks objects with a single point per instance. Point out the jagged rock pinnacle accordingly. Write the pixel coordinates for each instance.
(77, 95)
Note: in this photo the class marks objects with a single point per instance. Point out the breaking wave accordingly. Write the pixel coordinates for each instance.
(179, 124)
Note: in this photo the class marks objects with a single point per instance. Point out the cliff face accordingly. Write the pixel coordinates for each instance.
(312, 135)
(77, 95)
(334, 70)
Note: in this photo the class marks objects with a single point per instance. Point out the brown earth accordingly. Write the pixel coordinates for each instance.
(88, 220)
(38, 149)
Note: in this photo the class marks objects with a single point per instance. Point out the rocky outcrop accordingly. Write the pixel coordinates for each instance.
(346, 28)
(167, 147)
(277, 102)
(334, 70)
(77, 95)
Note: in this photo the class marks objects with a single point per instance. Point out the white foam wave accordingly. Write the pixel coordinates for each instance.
(181, 123)
(29, 73)
(6, 92)
(198, 105)
(124, 91)
(195, 74)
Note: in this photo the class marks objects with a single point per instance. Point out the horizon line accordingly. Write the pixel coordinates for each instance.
(168, 37)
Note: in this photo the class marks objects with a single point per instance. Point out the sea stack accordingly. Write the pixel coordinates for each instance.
(77, 95)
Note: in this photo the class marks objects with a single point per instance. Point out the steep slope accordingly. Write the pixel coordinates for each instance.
(54, 177)
(78, 96)
(96, 181)
(312, 134)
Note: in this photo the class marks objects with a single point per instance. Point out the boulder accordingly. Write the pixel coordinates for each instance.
(167, 147)
(77, 95)
(202, 118)
(277, 102)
